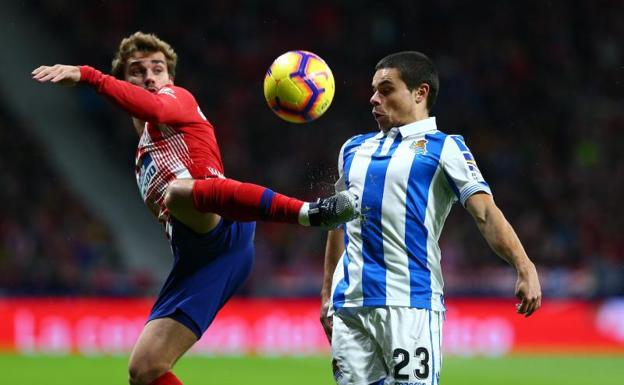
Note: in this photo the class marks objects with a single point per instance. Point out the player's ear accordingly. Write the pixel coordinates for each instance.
(420, 93)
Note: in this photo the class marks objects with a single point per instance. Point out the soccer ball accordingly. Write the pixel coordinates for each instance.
(299, 86)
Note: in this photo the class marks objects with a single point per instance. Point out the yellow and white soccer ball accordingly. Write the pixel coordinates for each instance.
(299, 86)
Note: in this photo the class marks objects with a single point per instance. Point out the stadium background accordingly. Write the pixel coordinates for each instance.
(535, 88)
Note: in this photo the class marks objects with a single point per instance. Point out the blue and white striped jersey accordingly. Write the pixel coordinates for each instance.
(407, 180)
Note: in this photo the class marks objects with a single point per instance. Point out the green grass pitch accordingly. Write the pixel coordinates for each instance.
(520, 370)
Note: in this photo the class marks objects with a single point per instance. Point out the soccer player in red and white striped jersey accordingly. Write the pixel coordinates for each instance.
(208, 217)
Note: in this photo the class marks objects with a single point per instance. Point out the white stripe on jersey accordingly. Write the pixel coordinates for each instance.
(437, 211)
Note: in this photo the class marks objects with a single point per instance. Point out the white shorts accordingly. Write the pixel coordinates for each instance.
(399, 344)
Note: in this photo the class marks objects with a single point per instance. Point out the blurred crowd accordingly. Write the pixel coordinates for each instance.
(536, 88)
(50, 243)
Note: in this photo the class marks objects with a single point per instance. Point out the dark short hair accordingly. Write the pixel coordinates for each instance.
(415, 68)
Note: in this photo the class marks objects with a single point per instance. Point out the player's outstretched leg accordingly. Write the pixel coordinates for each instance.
(250, 202)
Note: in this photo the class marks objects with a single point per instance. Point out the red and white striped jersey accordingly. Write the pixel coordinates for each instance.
(177, 142)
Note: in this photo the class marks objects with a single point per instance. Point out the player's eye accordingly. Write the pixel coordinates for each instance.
(136, 72)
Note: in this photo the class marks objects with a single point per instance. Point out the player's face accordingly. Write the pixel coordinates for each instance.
(148, 70)
(393, 103)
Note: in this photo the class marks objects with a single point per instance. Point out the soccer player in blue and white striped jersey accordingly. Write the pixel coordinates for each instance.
(382, 293)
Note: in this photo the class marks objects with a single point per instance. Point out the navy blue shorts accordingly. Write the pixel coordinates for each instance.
(207, 270)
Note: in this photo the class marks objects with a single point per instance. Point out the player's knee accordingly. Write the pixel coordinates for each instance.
(178, 192)
(144, 373)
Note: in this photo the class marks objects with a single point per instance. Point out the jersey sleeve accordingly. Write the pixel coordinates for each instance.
(460, 169)
(341, 184)
(171, 105)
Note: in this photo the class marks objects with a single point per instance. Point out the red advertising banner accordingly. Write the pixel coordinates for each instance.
(491, 327)
(291, 327)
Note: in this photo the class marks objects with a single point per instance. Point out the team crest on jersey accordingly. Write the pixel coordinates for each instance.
(419, 146)
(167, 91)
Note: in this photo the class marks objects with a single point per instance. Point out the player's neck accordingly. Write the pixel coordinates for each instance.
(420, 115)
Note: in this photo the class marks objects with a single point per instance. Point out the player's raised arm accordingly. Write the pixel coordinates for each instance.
(504, 242)
(58, 74)
(146, 100)
(162, 105)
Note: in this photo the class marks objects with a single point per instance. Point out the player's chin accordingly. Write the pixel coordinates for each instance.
(383, 123)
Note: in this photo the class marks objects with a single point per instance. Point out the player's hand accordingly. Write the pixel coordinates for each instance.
(528, 291)
(326, 322)
(62, 74)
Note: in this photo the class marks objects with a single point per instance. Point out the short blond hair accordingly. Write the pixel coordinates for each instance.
(143, 42)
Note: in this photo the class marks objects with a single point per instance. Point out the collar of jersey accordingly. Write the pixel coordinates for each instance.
(418, 127)
(414, 128)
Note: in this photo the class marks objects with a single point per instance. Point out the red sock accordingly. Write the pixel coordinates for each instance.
(244, 201)
(166, 379)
